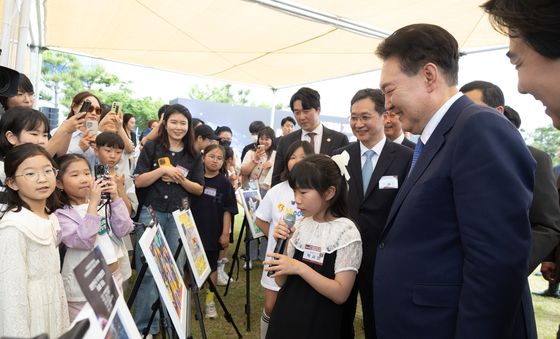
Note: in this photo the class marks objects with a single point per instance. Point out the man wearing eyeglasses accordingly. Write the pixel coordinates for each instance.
(393, 130)
(377, 168)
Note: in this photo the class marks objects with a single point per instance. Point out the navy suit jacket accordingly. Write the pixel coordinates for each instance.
(330, 141)
(408, 143)
(452, 260)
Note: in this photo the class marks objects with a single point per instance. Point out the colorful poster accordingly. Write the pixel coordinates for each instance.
(167, 277)
(251, 200)
(198, 262)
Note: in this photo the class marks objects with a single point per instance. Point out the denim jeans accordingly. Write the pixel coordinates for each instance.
(147, 293)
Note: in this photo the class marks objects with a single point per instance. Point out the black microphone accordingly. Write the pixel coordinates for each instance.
(290, 220)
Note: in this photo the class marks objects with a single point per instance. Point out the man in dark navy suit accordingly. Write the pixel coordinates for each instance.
(306, 106)
(372, 187)
(452, 259)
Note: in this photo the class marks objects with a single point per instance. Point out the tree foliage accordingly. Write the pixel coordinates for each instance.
(222, 94)
(547, 139)
(226, 95)
(64, 76)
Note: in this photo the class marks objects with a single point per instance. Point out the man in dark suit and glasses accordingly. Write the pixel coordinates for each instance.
(452, 259)
(393, 130)
(306, 106)
(377, 169)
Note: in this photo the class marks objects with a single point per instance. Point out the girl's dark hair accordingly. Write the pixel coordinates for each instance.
(212, 147)
(150, 123)
(268, 132)
(307, 149)
(188, 139)
(12, 161)
(221, 129)
(229, 154)
(17, 120)
(125, 119)
(79, 98)
(24, 85)
(63, 163)
(319, 172)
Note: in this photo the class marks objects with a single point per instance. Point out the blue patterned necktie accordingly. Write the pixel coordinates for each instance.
(367, 170)
(416, 155)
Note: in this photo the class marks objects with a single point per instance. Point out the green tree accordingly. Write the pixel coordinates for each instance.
(65, 76)
(143, 109)
(58, 71)
(223, 94)
(548, 140)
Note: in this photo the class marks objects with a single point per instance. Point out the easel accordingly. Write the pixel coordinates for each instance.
(157, 305)
(235, 262)
(192, 287)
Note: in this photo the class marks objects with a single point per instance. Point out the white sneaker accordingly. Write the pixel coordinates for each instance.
(223, 278)
(210, 310)
(250, 265)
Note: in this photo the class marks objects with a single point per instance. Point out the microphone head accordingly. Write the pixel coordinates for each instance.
(290, 219)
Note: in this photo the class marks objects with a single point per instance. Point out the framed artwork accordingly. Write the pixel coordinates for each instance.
(251, 200)
(169, 281)
(198, 262)
(97, 285)
(120, 324)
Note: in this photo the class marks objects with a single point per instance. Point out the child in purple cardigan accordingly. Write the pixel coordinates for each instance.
(84, 225)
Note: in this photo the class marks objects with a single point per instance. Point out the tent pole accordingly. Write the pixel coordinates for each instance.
(273, 109)
(6, 32)
(23, 35)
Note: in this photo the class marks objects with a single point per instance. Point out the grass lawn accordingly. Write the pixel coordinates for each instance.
(547, 310)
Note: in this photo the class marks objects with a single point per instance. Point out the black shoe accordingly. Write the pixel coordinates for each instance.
(548, 293)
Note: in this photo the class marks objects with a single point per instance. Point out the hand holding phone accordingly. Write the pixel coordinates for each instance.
(116, 107)
(92, 125)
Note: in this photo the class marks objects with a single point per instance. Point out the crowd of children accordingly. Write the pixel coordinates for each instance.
(55, 210)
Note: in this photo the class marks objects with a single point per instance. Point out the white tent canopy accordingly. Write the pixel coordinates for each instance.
(251, 42)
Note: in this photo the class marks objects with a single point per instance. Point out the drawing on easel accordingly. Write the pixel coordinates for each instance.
(168, 279)
(251, 200)
(198, 262)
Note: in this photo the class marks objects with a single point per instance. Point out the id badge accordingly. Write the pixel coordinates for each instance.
(313, 254)
(211, 191)
(389, 182)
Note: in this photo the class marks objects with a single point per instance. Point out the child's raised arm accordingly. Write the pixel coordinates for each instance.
(77, 232)
(120, 219)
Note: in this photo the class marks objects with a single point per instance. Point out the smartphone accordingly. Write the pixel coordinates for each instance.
(92, 125)
(102, 172)
(116, 107)
(86, 106)
(164, 161)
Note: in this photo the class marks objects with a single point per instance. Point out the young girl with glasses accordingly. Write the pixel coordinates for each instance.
(32, 298)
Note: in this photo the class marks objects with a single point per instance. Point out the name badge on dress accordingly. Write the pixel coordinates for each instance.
(389, 182)
(313, 254)
(210, 191)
